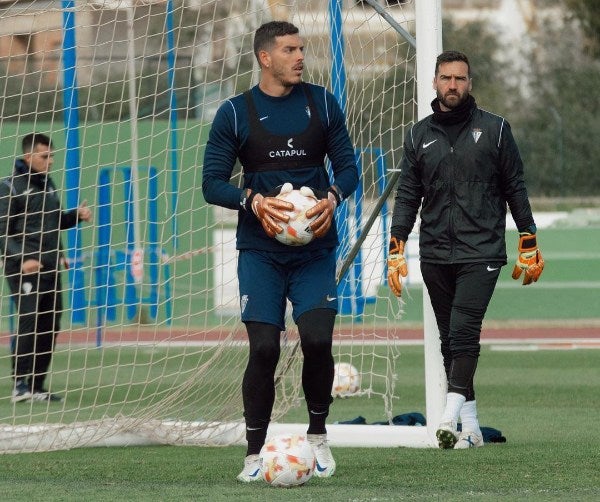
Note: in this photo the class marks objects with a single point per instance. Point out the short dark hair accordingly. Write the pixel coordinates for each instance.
(450, 57)
(265, 35)
(35, 138)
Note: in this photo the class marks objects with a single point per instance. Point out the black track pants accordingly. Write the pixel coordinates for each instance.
(460, 295)
(38, 304)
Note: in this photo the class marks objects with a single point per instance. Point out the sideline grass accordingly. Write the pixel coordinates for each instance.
(545, 402)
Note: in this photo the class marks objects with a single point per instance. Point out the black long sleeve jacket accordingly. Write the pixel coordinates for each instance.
(463, 189)
(31, 219)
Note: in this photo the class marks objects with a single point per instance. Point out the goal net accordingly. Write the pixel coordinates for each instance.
(151, 349)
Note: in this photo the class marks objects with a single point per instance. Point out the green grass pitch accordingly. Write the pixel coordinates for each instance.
(545, 402)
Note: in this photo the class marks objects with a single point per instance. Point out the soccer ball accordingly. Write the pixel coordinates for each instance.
(287, 460)
(346, 380)
(296, 232)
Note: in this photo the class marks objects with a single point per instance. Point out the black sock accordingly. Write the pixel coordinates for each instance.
(256, 440)
(317, 415)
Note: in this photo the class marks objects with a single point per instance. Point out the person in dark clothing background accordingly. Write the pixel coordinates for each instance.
(281, 130)
(461, 167)
(31, 219)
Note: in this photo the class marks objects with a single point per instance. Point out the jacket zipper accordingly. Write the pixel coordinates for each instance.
(451, 233)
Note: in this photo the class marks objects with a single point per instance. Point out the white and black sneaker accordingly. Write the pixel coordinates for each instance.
(251, 470)
(325, 467)
(447, 435)
(44, 395)
(21, 392)
(468, 439)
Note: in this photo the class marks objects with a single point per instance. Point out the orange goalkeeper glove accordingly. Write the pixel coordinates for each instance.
(396, 266)
(268, 208)
(529, 260)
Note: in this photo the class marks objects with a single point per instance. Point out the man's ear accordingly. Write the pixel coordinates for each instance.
(265, 58)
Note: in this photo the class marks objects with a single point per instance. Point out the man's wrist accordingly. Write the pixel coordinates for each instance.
(246, 198)
(337, 193)
(531, 229)
(244, 194)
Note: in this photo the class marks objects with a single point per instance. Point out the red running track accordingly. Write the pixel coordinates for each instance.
(514, 334)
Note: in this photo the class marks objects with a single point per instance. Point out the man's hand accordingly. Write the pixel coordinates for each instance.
(325, 208)
(396, 266)
(268, 211)
(529, 260)
(31, 266)
(83, 212)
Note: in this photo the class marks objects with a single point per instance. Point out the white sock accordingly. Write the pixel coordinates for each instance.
(468, 417)
(454, 403)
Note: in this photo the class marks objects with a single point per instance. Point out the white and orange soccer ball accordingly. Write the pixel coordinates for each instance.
(346, 380)
(287, 460)
(297, 231)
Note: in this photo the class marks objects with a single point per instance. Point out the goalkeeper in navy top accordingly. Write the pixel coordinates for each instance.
(281, 130)
(461, 167)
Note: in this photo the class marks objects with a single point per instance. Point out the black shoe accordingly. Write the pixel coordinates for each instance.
(44, 395)
(21, 391)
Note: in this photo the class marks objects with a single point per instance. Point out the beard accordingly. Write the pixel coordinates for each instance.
(285, 77)
(452, 100)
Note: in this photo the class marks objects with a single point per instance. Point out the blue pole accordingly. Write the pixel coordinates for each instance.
(154, 258)
(172, 121)
(72, 167)
(338, 73)
(346, 289)
(131, 296)
(103, 273)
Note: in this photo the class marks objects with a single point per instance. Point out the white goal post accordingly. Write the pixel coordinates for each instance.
(151, 349)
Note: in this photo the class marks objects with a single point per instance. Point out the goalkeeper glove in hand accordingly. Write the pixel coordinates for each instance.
(268, 211)
(396, 266)
(325, 208)
(529, 260)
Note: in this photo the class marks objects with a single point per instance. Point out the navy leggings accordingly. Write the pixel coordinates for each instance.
(315, 328)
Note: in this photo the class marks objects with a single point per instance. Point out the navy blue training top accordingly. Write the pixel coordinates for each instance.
(285, 125)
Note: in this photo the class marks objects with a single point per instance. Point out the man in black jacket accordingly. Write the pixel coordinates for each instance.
(462, 167)
(30, 223)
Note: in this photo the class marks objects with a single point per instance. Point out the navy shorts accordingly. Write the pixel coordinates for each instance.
(268, 279)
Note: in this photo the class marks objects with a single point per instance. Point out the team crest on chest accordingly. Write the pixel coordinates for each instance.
(476, 132)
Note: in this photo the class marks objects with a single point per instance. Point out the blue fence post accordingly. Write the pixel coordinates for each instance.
(357, 290)
(172, 121)
(154, 254)
(102, 266)
(72, 164)
(338, 89)
(382, 184)
(131, 296)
